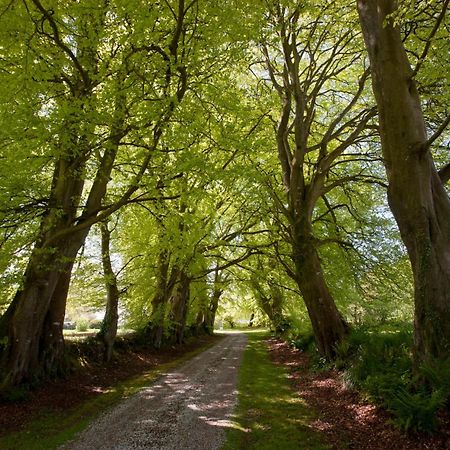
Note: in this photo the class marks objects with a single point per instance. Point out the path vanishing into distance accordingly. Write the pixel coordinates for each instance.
(188, 408)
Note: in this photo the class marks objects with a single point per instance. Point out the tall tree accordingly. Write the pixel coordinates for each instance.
(417, 196)
(310, 55)
(108, 331)
(81, 61)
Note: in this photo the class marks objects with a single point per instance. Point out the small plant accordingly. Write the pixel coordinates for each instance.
(82, 325)
(417, 412)
(436, 374)
(229, 321)
(343, 352)
(95, 324)
(304, 342)
(378, 361)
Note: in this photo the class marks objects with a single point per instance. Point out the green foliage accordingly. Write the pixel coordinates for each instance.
(378, 361)
(229, 320)
(414, 411)
(304, 342)
(82, 325)
(436, 375)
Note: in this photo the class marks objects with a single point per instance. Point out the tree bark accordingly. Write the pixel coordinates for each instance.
(270, 302)
(164, 288)
(179, 304)
(210, 313)
(311, 144)
(416, 193)
(328, 325)
(34, 320)
(43, 293)
(108, 331)
(210, 316)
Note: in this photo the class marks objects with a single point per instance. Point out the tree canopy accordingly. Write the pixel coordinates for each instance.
(170, 162)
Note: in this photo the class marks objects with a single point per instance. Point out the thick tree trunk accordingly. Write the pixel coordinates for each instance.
(328, 325)
(179, 304)
(52, 358)
(164, 288)
(210, 316)
(277, 308)
(273, 306)
(416, 193)
(108, 330)
(33, 323)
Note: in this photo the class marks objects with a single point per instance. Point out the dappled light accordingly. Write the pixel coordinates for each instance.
(344, 416)
(189, 407)
(180, 177)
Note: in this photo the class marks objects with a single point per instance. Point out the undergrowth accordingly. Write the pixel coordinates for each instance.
(378, 362)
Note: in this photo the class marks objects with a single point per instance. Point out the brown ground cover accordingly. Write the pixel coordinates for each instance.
(91, 379)
(344, 417)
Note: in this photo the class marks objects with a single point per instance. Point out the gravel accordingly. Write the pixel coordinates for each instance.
(188, 408)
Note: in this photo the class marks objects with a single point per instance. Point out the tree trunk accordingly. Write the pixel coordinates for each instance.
(164, 287)
(108, 330)
(272, 305)
(179, 303)
(328, 325)
(277, 308)
(210, 313)
(210, 316)
(34, 320)
(52, 358)
(416, 194)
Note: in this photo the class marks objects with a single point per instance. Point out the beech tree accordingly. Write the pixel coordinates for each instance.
(417, 196)
(78, 55)
(108, 331)
(238, 140)
(310, 55)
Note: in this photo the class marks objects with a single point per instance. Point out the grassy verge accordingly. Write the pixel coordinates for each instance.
(269, 415)
(52, 429)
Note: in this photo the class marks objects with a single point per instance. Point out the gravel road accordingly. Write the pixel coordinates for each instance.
(188, 408)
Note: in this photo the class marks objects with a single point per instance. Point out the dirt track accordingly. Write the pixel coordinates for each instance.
(188, 408)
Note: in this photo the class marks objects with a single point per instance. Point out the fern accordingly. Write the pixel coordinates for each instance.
(417, 411)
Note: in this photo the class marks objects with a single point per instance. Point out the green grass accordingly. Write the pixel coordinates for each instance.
(269, 415)
(53, 429)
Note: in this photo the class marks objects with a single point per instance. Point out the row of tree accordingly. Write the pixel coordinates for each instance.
(202, 145)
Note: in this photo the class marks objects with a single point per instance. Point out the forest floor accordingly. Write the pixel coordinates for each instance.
(344, 418)
(329, 414)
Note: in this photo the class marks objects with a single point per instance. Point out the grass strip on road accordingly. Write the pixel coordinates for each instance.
(269, 414)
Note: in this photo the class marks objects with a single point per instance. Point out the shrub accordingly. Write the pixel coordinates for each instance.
(303, 341)
(381, 365)
(415, 411)
(436, 375)
(229, 321)
(95, 324)
(378, 361)
(82, 325)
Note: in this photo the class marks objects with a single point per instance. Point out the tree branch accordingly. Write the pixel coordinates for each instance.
(438, 132)
(444, 173)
